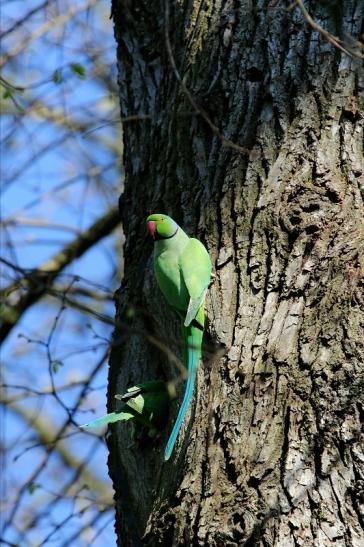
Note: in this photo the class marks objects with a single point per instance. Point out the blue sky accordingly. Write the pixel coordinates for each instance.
(56, 180)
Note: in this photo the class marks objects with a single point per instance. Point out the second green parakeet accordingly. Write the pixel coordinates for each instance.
(145, 405)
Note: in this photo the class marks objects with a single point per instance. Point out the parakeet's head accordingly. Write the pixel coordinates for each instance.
(161, 226)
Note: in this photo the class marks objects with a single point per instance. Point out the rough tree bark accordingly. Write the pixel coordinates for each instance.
(271, 453)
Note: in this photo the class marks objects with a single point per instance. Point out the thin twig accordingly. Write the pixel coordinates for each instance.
(135, 118)
(40, 223)
(8, 85)
(49, 448)
(334, 40)
(30, 392)
(94, 171)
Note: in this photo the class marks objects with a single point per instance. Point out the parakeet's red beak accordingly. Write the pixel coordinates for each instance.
(151, 227)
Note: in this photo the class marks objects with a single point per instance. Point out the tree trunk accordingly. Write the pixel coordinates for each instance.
(270, 453)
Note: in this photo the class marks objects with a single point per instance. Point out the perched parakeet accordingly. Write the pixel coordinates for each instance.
(183, 270)
(145, 404)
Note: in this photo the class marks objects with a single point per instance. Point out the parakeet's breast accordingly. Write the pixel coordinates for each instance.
(170, 280)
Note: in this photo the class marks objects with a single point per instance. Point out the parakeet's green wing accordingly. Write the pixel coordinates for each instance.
(137, 404)
(109, 419)
(195, 266)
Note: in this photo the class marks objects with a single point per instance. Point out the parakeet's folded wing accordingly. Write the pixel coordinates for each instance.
(195, 265)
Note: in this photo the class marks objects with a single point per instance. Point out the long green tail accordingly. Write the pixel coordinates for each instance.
(192, 353)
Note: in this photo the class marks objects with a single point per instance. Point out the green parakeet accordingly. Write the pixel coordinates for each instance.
(145, 404)
(183, 269)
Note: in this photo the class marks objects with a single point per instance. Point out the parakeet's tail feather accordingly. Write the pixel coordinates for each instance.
(193, 341)
(109, 419)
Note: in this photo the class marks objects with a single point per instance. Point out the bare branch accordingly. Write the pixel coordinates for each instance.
(37, 282)
(24, 19)
(50, 447)
(46, 437)
(60, 20)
